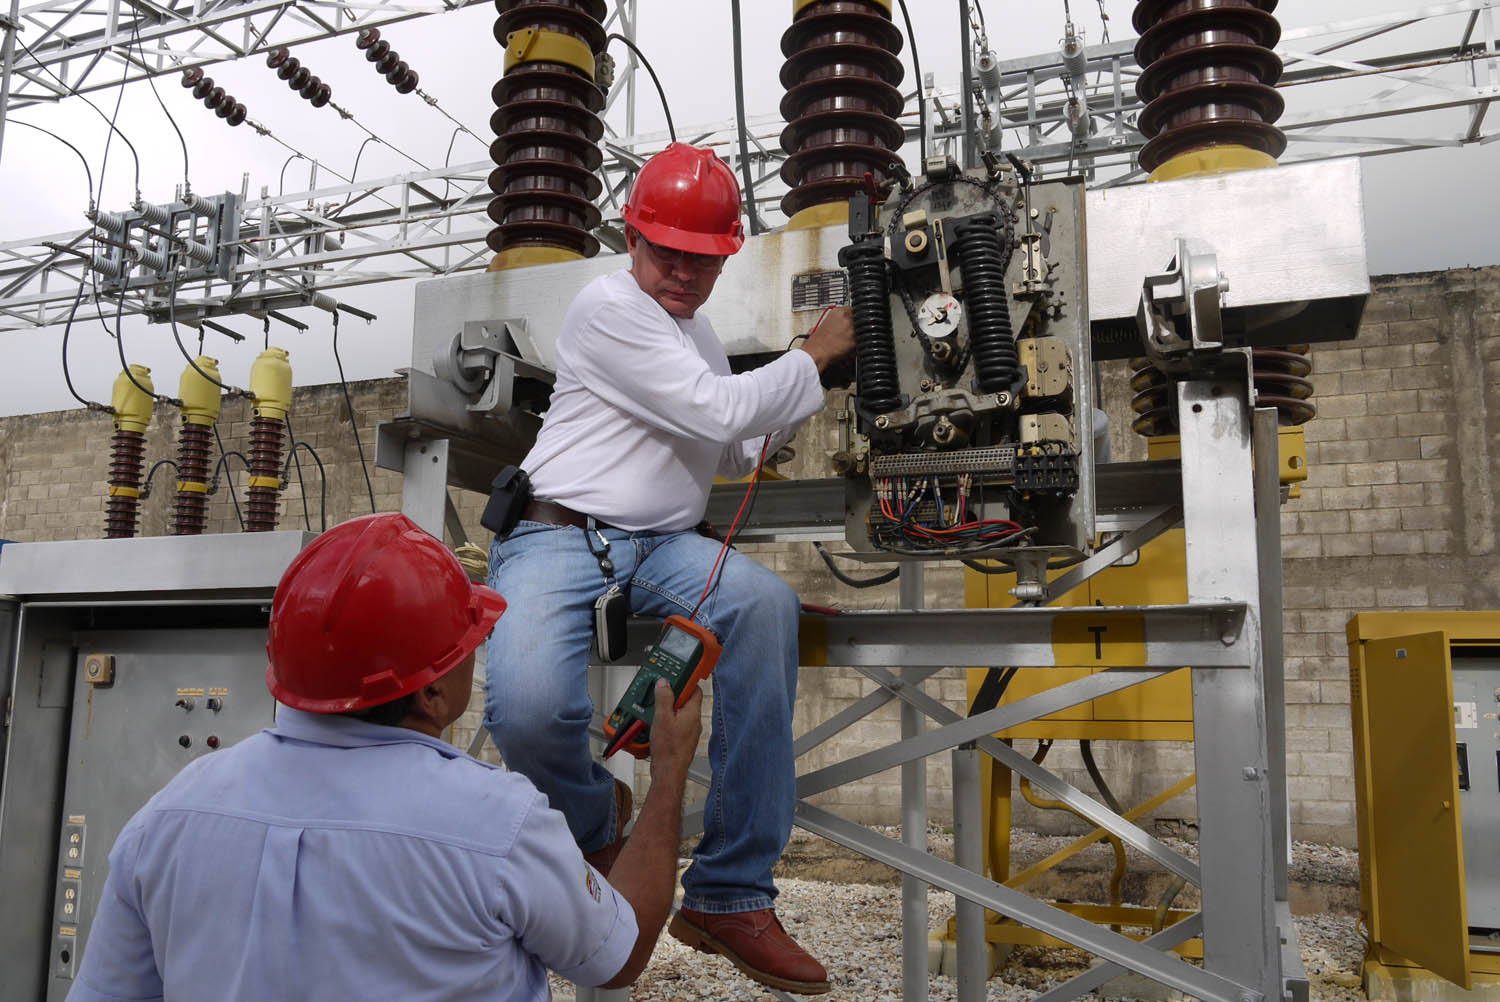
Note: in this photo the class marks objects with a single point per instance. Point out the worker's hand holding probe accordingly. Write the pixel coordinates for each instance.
(832, 340)
(645, 873)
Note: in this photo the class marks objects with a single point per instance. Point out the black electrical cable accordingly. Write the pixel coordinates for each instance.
(119, 336)
(353, 420)
(281, 187)
(135, 33)
(911, 41)
(322, 473)
(88, 173)
(739, 118)
(172, 319)
(109, 137)
(292, 460)
(67, 377)
(659, 92)
(1087, 748)
(992, 690)
(852, 582)
(980, 11)
(146, 487)
(229, 475)
(74, 92)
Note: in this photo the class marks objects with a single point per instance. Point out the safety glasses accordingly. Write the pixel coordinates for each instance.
(670, 257)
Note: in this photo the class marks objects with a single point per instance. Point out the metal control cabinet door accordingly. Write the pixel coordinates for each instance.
(145, 704)
(1415, 814)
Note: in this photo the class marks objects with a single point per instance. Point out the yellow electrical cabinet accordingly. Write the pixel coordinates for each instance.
(1425, 708)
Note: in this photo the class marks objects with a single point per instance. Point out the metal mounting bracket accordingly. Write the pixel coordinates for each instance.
(1179, 317)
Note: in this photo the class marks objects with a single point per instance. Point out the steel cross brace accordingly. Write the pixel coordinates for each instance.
(1131, 955)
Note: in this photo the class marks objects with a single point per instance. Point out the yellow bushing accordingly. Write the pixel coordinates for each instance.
(1215, 160)
(132, 404)
(527, 255)
(798, 6)
(541, 45)
(271, 384)
(815, 217)
(200, 397)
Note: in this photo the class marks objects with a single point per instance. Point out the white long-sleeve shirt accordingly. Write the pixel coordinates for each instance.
(645, 411)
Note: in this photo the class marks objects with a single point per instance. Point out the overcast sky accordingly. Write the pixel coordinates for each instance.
(1425, 211)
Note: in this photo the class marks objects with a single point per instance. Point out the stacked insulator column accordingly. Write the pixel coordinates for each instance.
(200, 409)
(213, 97)
(547, 132)
(271, 386)
(841, 75)
(132, 405)
(388, 62)
(1208, 76)
(298, 77)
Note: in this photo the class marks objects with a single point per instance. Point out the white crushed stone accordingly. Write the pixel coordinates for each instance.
(855, 929)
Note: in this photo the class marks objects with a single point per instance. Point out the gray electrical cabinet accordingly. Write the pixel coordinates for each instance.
(1476, 724)
(126, 659)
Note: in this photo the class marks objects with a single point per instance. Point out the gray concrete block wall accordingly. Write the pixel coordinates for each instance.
(1398, 513)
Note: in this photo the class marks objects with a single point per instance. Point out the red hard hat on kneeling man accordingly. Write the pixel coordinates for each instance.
(374, 609)
(688, 199)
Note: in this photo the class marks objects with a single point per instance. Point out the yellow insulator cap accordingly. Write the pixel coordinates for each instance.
(271, 384)
(530, 254)
(200, 397)
(132, 404)
(1215, 160)
(815, 217)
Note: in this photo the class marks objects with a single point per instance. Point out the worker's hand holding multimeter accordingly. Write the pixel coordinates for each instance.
(684, 654)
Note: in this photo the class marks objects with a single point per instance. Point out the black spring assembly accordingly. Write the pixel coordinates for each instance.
(982, 257)
(876, 379)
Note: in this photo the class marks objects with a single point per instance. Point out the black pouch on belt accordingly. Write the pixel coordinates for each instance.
(510, 493)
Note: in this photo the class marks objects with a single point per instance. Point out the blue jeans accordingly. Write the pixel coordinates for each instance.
(537, 705)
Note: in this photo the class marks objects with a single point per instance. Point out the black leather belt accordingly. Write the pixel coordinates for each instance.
(552, 513)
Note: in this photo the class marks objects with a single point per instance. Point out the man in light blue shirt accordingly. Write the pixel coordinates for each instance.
(350, 853)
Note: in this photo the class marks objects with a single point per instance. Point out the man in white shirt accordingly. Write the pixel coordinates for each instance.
(644, 413)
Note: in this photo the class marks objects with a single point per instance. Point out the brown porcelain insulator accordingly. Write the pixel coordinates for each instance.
(127, 456)
(841, 75)
(547, 131)
(1280, 378)
(194, 451)
(262, 504)
(1208, 76)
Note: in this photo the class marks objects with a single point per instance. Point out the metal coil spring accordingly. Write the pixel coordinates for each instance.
(190, 514)
(127, 456)
(982, 260)
(262, 504)
(878, 383)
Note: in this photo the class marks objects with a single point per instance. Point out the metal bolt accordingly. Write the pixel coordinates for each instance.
(1251, 773)
(882, 422)
(925, 385)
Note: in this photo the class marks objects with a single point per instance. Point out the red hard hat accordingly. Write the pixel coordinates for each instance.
(374, 609)
(688, 199)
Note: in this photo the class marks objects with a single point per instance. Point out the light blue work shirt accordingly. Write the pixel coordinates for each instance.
(328, 858)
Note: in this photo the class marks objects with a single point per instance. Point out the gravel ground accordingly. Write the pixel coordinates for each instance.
(855, 928)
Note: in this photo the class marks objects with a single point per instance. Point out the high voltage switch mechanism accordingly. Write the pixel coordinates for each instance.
(168, 245)
(971, 413)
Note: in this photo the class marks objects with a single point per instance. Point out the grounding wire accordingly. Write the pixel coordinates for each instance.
(172, 320)
(739, 117)
(119, 336)
(671, 130)
(353, 421)
(68, 330)
(87, 173)
(916, 65)
(116, 129)
(292, 460)
(229, 474)
(323, 476)
(151, 79)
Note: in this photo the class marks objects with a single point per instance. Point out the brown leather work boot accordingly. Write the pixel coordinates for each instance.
(603, 860)
(756, 943)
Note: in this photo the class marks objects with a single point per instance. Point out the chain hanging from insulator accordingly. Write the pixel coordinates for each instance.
(132, 400)
(547, 127)
(213, 97)
(842, 100)
(877, 382)
(388, 62)
(983, 255)
(1208, 76)
(308, 85)
(199, 389)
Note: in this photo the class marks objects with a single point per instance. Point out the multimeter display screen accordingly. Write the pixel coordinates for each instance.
(679, 644)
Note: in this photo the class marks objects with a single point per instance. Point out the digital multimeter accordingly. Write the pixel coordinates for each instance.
(684, 654)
